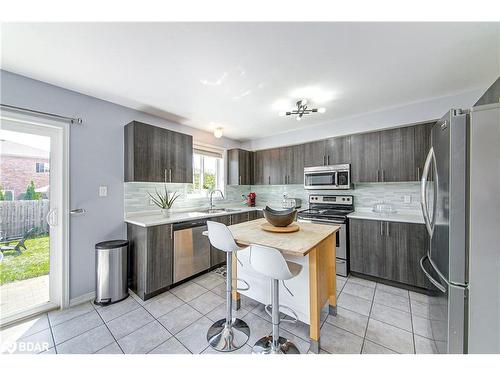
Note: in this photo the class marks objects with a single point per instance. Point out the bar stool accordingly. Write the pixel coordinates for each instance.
(227, 334)
(271, 263)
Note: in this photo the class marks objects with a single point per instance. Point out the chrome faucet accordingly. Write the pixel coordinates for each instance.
(211, 204)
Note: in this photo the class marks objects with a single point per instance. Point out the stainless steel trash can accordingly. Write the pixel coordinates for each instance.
(111, 271)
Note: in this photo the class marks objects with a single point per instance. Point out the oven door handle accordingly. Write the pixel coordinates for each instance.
(319, 221)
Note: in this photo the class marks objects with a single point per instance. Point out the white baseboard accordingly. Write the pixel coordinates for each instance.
(81, 299)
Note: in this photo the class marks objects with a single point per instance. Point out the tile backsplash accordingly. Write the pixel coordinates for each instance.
(365, 195)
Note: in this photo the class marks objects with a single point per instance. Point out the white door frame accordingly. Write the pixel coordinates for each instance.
(59, 179)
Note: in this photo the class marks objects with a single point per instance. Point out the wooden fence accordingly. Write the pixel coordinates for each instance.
(17, 217)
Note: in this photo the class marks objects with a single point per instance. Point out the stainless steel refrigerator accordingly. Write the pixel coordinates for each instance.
(460, 190)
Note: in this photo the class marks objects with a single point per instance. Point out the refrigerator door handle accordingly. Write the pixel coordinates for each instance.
(436, 283)
(423, 190)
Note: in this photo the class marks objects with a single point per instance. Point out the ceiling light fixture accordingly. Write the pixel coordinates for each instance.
(302, 110)
(218, 132)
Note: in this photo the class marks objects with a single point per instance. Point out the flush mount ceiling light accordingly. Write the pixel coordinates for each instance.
(218, 132)
(302, 109)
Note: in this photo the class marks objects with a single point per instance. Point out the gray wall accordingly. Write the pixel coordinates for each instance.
(492, 95)
(96, 158)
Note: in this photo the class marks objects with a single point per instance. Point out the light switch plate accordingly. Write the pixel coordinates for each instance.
(103, 191)
(407, 198)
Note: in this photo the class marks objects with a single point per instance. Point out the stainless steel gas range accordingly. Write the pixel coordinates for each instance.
(332, 210)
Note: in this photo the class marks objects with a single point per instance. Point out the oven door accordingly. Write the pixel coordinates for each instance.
(320, 179)
(341, 243)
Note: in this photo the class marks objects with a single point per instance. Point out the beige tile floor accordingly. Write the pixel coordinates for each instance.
(372, 318)
(19, 295)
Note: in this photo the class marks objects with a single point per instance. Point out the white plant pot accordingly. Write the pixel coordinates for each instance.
(165, 212)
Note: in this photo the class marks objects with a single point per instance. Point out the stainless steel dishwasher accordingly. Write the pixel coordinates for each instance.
(191, 249)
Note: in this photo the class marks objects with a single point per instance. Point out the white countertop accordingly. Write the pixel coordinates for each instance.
(155, 218)
(400, 216)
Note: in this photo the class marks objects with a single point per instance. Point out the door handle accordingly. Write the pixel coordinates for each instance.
(381, 228)
(324, 159)
(240, 180)
(328, 160)
(387, 229)
(436, 283)
(165, 175)
(78, 211)
(423, 191)
(378, 174)
(170, 175)
(51, 218)
(383, 175)
(269, 180)
(418, 173)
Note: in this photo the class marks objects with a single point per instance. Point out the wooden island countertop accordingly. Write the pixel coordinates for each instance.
(298, 243)
(313, 246)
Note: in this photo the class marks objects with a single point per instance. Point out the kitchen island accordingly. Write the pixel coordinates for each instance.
(313, 246)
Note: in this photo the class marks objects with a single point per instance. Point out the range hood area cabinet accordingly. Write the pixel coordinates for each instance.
(394, 155)
(239, 167)
(388, 250)
(154, 154)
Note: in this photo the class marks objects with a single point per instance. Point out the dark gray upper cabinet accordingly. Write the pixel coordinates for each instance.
(154, 154)
(258, 167)
(365, 157)
(338, 150)
(295, 164)
(397, 157)
(150, 259)
(239, 167)
(314, 154)
(422, 146)
(388, 250)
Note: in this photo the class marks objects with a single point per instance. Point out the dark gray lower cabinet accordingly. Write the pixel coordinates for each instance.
(388, 250)
(150, 259)
(254, 215)
(217, 257)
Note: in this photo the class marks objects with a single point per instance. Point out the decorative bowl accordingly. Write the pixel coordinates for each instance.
(280, 218)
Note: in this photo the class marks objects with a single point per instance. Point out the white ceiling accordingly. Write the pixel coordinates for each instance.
(233, 74)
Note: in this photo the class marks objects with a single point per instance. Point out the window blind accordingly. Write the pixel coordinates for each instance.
(206, 151)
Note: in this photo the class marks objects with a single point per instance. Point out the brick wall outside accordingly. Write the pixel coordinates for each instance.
(17, 172)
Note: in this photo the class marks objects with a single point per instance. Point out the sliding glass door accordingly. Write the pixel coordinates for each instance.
(32, 220)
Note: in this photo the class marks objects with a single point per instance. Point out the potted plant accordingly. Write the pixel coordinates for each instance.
(164, 201)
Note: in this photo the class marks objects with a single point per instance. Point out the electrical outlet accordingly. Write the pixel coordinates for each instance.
(103, 191)
(407, 198)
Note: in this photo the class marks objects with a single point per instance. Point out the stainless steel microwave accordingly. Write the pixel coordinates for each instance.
(328, 177)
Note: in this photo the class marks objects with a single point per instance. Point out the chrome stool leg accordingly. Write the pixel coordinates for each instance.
(274, 343)
(228, 334)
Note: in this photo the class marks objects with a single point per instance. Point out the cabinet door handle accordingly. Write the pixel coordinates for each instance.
(381, 228)
(269, 180)
(387, 229)
(418, 173)
(240, 180)
(171, 231)
(328, 160)
(165, 175)
(383, 175)
(170, 175)
(378, 174)
(324, 159)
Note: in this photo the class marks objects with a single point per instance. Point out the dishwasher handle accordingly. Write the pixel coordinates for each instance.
(189, 224)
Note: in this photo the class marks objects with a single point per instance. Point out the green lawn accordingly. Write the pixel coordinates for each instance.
(31, 263)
